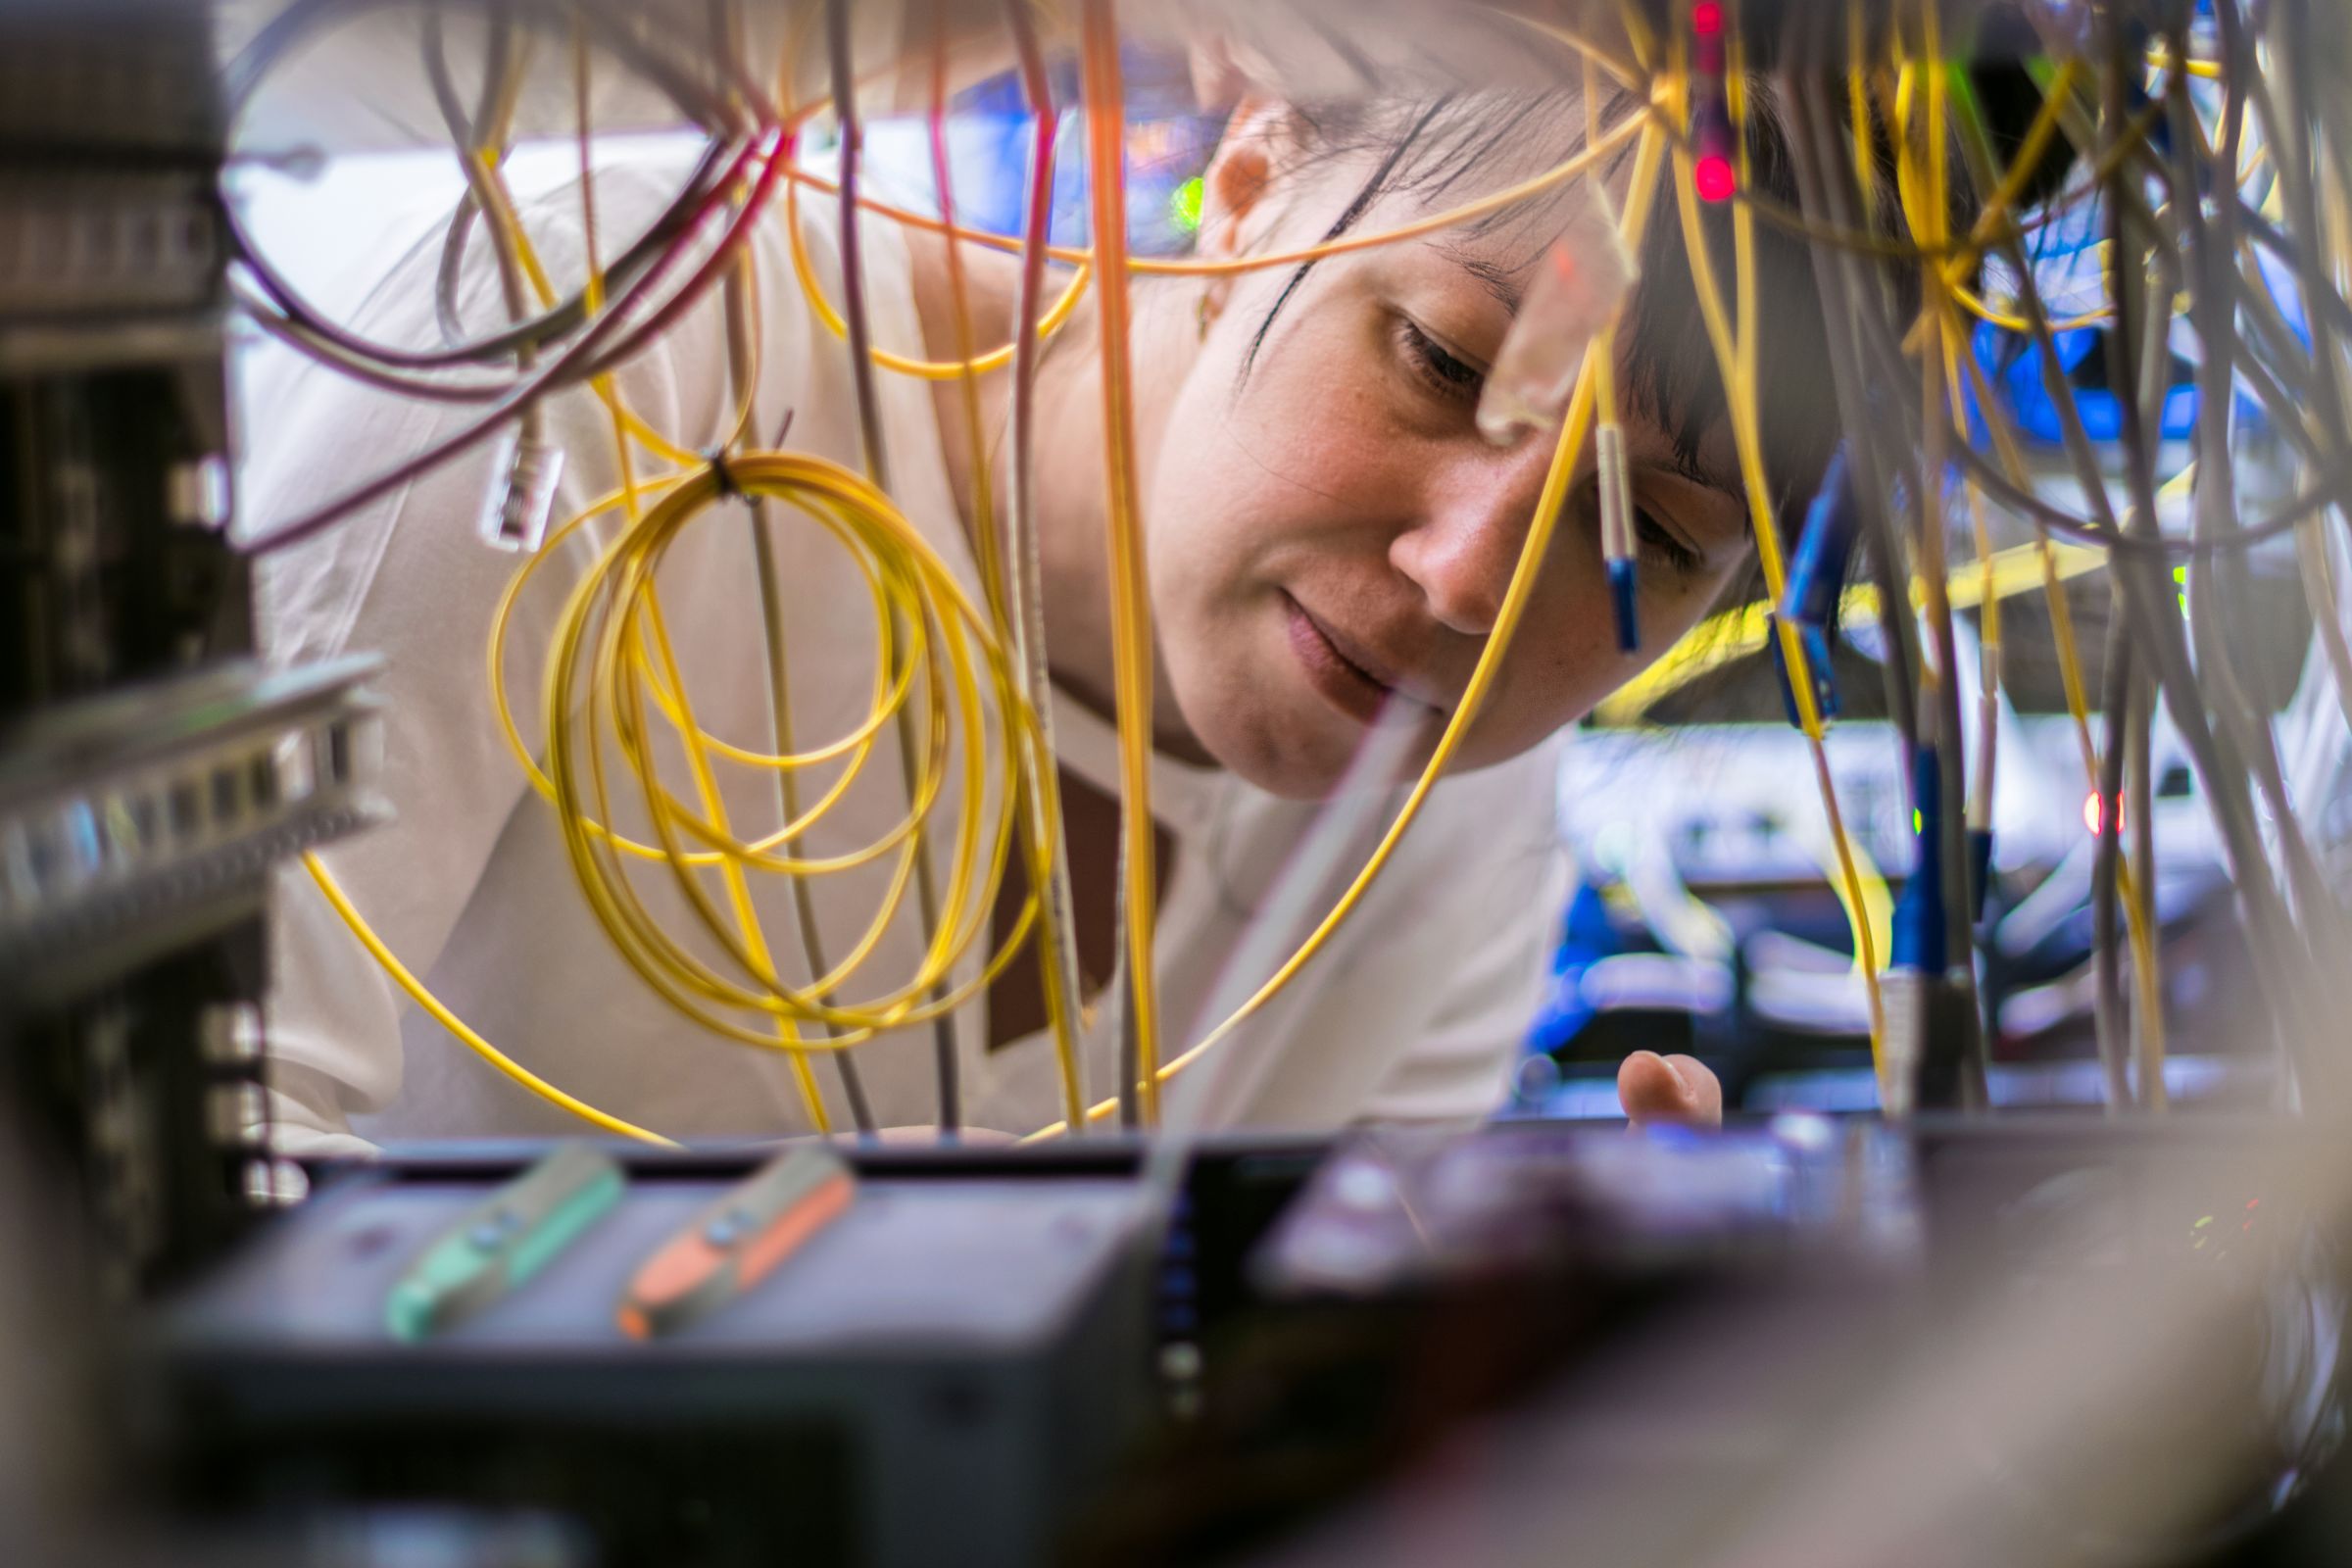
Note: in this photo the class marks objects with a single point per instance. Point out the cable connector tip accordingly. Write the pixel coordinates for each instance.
(1624, 590)
(522, 498)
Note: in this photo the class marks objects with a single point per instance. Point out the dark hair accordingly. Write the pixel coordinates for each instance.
(1431, 148)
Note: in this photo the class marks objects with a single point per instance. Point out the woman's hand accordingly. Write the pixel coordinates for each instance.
(1676, 1088)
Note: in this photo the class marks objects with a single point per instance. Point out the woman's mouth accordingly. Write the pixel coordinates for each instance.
(1339, 681)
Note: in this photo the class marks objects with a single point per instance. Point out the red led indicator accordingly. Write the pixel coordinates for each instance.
(2092, 816)
(1714, 178)
(1706, 18)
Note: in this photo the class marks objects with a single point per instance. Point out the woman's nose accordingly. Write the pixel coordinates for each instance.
(1462, 550)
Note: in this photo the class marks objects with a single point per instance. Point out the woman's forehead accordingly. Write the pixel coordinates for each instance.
(1498, 257)
(1502, 248)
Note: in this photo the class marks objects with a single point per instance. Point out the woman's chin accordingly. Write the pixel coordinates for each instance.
(1293, 757)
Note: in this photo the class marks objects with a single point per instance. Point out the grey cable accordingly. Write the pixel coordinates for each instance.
(877, 470)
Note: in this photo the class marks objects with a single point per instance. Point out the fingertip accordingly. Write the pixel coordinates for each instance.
(1650, 1086)
(1702, 1091)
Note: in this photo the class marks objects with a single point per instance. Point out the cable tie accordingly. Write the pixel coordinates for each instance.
(724, 472)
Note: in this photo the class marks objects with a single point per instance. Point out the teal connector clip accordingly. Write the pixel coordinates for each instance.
(504, 1241)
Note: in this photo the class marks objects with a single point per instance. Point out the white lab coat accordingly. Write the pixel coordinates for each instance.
(1413, 1012)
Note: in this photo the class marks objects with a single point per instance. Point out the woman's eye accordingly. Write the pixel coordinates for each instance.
(1445, 375)
(1660, 542)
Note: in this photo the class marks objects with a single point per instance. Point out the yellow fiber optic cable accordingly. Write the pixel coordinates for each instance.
(2132, 888)
(624, 424)
(639, 668)
(498, 211)
(2139, 920)
(457, 1027)
(1938, 328)
(1733, 634)
(502, 212)
(1131, 596)
(948, 634)
(1857, 103)
(697, 741)
(805, 268)
(1945, 292)
(743, 363)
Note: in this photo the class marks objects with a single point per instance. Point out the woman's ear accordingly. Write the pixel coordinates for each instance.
(1260, 141)
(1235, 184)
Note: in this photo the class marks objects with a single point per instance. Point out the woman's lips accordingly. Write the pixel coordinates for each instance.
(1337, 680)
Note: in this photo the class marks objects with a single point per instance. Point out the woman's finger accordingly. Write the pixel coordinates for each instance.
(1678, 1088)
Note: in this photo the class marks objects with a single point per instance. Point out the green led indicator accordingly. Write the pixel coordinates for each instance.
(2180, 582)
(1184, 206)
(1919, 823)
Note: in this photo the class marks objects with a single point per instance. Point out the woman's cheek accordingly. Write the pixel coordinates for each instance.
(1336, 437)
(1275, 467)
(1565, 659)
(1203, 518)
(1558, 684)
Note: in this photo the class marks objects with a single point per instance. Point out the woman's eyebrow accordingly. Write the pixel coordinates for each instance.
(1501, 282)
(1684, 463)
(1683, 459)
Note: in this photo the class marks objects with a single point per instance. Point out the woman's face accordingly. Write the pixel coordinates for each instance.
(1330, 533)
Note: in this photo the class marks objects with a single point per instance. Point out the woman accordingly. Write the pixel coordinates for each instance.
(1329, 535)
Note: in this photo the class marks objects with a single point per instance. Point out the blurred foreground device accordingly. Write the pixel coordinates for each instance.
(1956, 1344)
(150, 771)
(746, 1235)
(945, 1372)
(496, 1247)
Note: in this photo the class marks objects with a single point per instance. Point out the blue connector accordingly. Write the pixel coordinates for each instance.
(1919, 934)
(1625, 598)
(1818, 644)
(1817, 570)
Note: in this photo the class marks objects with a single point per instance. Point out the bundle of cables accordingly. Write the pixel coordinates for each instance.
(1907, 390)
(946, 678)
(610, 650)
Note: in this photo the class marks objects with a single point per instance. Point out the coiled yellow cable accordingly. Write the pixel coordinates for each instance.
(614, 677)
